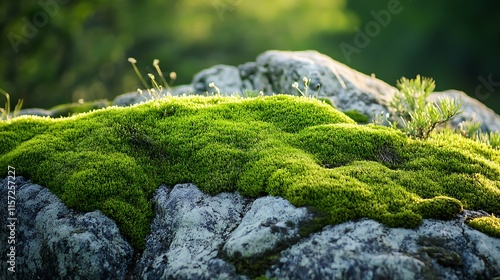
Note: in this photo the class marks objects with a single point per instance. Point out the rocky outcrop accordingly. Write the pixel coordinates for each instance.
(187, 233)
(368, 250)
(53, 242)
(198, 236)
(347, 89)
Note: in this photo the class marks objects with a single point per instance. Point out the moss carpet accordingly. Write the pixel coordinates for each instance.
(113, 159)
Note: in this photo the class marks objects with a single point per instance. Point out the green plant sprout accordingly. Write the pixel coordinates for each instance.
(472, 129)
(420, 117)
(5, 112)
(172, 75)
(155, 91)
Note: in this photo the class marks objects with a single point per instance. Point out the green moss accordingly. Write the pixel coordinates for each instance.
(357, 116)
(297, 148)
(69, 109)
(489, 225)
(440, 207)
(326, 101)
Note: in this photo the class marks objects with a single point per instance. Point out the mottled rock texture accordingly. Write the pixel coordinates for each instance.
(53, 242)
(198, 236)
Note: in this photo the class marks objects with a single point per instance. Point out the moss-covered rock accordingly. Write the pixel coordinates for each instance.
(294, 147)
(488, 224)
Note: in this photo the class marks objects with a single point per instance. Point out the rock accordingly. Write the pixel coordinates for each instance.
(271, 222)
(226, 78)
(348, 89)
(366, 249)
(274, 72)
(189, 229)
(198, 236)
(53, 242)
(35, 112)
(472, 109)
(130, 98)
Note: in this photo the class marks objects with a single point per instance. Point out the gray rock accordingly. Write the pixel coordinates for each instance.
(53, 242)
(35, 112)
(274, 72)
(472, 109)
(366, 249)
(348, 89)
(129, 98)
(189, 229)
(198, 236)
(270, 223)
(226, 78)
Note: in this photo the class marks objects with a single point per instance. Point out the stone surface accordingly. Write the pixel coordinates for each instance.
(35, 112)
(198, 236)
(274, 72)
(366, 249)
(189, 229)
(226, 78)
(271, 222)
(53, 242)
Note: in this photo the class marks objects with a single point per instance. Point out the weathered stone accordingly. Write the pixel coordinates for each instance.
(189, 229)
(198, 236)
(53, 242)
(129, 98)
(35, 112)
(274, 72)
(271, 222)
(348, 89)
(368, 250)
(226, 78)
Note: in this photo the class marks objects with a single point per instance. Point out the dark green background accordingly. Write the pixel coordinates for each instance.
(58, 52)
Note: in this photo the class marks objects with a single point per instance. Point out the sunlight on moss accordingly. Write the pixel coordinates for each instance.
(298, 148)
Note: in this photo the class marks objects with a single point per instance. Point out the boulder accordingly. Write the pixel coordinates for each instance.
(274, 72)
(366, 249)
(198, 236)
(189, 229)
(53, 242)
(35, 112)
(225, 77)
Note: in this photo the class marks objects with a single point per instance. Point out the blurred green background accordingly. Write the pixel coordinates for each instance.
(56, 52)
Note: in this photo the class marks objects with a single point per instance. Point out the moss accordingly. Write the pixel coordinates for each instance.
(297, 148)
(69, 109)
(489, 225)
(326, 101)
(440, 207)
(357, 116)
